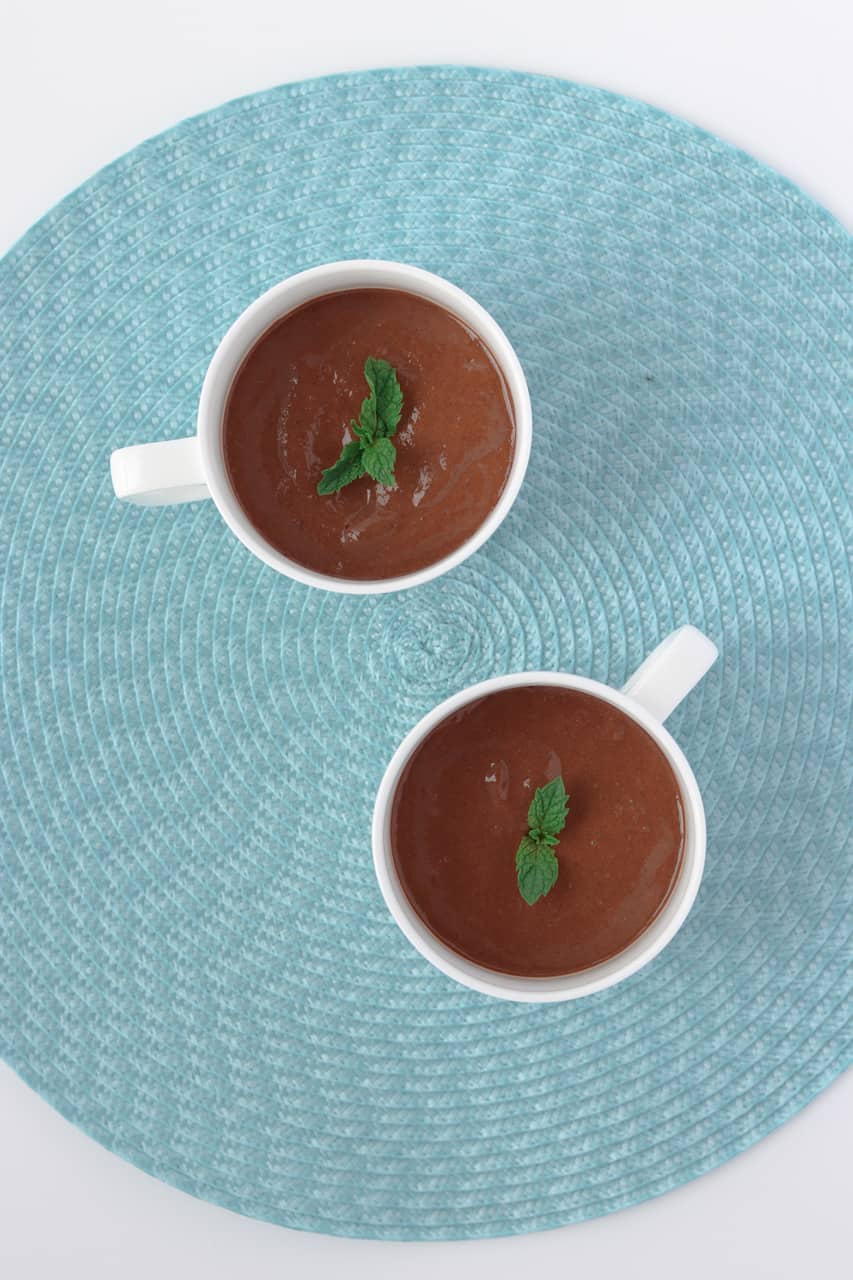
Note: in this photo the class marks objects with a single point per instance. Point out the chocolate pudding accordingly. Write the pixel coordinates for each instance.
(289, 411)
(460, 810)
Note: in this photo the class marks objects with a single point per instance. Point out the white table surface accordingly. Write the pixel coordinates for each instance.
(82, 82)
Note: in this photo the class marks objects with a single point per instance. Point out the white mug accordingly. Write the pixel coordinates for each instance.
(188, 469)
(652, 693)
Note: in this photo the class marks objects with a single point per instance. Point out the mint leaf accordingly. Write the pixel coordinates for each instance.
(371, 452)
(365, 428)
(536, 868)
(379, 459)
(536, 864)
(381, 377)
(348, 467)
(547, 813)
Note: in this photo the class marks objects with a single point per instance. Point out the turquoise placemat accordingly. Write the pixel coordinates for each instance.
(195, 963)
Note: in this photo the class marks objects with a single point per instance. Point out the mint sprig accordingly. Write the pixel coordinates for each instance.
(371, 452)
(535, 862)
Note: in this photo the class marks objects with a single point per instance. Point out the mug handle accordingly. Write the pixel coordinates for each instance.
(671, 671)
(159, 474)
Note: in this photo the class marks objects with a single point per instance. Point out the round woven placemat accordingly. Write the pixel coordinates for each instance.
(195, 963)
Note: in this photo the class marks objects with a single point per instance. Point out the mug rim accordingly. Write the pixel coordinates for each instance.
(582, 982)
(279, 301)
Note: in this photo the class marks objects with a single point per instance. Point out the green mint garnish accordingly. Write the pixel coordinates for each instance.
(535, 863)
(371, 452)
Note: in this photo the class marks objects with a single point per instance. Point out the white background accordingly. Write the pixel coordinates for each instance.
(81, 82)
